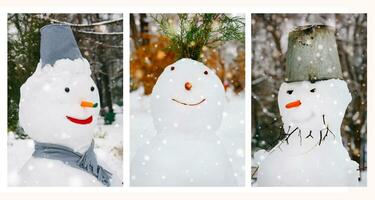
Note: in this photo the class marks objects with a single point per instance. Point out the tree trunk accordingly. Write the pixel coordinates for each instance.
(144, 28)
(134, 31)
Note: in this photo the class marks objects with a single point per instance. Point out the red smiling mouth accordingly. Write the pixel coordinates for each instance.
(80, 121)
(189, 104)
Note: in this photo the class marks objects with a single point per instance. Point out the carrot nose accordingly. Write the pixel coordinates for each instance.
(293, 104)
(88, 104)
(188, 86)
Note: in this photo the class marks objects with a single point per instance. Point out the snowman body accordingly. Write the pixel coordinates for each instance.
(53, 109)
(187, 105)
(177, 159)
(47, 172)
(311, 153)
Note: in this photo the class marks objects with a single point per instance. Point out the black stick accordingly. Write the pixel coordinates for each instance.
(324, 138)
(287, 138)
(310, 135)
(320, 139)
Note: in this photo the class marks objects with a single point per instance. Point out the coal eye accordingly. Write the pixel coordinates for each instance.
(289, 91)
(172, 68)
(67, 89)
(92, 88)
(205, 72)
(313, 90)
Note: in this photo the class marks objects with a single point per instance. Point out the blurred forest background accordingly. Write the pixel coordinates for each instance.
(269, 44)
(100, 38)
(158, 40)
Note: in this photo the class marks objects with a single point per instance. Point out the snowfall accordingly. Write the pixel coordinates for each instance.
(231, 132)
(108, 147)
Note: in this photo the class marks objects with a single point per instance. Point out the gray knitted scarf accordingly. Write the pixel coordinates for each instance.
(86, 162)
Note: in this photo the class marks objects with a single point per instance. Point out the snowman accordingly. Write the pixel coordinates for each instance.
(186, 105)
(312, 103)
(58, 109)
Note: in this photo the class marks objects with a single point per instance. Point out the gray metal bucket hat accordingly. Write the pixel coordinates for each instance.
(312, 54)
(57, 42)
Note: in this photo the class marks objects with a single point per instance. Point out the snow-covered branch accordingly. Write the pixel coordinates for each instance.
(108, 45)
(99, 33)
(86, 25)
(258, 80)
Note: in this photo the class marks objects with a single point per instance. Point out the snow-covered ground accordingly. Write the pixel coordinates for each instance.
(254, 166)
(231, 132)
(108, 147)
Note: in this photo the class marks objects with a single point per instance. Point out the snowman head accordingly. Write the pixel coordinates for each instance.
(313, 101)
(188, 97)
(59, 103)
(304, 103)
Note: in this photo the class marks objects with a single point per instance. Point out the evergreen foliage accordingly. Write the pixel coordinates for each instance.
(197, 31)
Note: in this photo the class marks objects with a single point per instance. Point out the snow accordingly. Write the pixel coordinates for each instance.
(108, 149)
(312, 153)
(188, 154)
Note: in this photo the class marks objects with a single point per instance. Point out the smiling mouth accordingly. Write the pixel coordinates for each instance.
(189, 104)
(80, 121)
